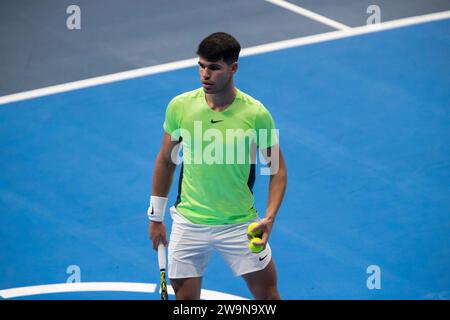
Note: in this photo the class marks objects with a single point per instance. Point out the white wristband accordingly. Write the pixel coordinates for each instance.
(157, 208)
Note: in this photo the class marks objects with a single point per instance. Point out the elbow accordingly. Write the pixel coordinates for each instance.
(165, 162)
(283, 171)
(283, 174)
(280, 174)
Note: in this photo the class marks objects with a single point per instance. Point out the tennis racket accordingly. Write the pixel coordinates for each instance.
(162, 270)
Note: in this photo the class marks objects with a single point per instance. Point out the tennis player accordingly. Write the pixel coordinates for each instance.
(215, 201)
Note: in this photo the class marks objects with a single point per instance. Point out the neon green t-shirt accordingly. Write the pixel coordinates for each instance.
(218, 155)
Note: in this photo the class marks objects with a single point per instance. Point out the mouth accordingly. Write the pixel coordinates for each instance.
(207, 84)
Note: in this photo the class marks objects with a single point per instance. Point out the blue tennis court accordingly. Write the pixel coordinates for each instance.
(364, 125)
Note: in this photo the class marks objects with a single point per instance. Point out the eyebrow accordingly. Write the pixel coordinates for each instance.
(210, 65)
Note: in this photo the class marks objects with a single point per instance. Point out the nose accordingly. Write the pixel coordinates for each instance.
(206, 74)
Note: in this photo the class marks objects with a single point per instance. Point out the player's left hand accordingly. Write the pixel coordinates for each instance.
(265, 225)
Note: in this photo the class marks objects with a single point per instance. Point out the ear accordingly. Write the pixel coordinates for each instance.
(234, 67)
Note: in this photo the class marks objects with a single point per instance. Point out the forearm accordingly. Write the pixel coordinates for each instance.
(161, 182)
(162, 177)
(277, 188)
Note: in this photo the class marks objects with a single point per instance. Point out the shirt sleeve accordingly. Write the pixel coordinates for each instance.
(265, 129)
(172, 122)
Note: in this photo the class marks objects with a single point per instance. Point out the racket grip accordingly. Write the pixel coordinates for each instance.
(161, 256)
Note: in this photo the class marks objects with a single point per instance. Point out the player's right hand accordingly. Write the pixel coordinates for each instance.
(157, 232)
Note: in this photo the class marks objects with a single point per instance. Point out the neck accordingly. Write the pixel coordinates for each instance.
(221, 100)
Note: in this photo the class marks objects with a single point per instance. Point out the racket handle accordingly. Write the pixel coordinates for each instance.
(161, 256)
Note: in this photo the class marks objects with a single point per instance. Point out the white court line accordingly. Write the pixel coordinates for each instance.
(135, 73)
(206, 294)
(335, 35)
(78, 287)
(309, 14)
(285, 44)
(105, 286)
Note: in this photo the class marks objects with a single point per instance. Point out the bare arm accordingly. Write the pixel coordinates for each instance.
(164, 167)
(277, 185)
(161, 182)
(277, 188)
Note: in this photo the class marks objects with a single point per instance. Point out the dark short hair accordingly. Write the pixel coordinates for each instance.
(219, 45)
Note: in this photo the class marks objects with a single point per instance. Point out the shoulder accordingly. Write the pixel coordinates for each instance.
(187, 96)
(249, 100)
(257, 107)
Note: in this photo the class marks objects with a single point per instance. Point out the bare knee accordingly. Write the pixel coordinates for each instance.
(270, 293)
(187, 288)
(263, 283)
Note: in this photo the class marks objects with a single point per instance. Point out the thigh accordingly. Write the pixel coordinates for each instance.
(232, 244)
(189, 248)
(263, 283)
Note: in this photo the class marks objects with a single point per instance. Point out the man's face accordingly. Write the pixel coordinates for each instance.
(216, 76)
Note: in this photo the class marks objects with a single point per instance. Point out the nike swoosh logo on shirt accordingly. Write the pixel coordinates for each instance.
(261, 259)
(212, 121)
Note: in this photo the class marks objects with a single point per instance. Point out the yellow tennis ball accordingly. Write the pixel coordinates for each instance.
(255, 248)
(257, 233)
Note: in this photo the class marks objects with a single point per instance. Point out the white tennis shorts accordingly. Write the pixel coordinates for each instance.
(191, 246)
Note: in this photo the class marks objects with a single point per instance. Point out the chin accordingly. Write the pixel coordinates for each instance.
(209, 91)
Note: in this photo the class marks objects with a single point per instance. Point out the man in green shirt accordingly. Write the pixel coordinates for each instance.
(219, 128)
